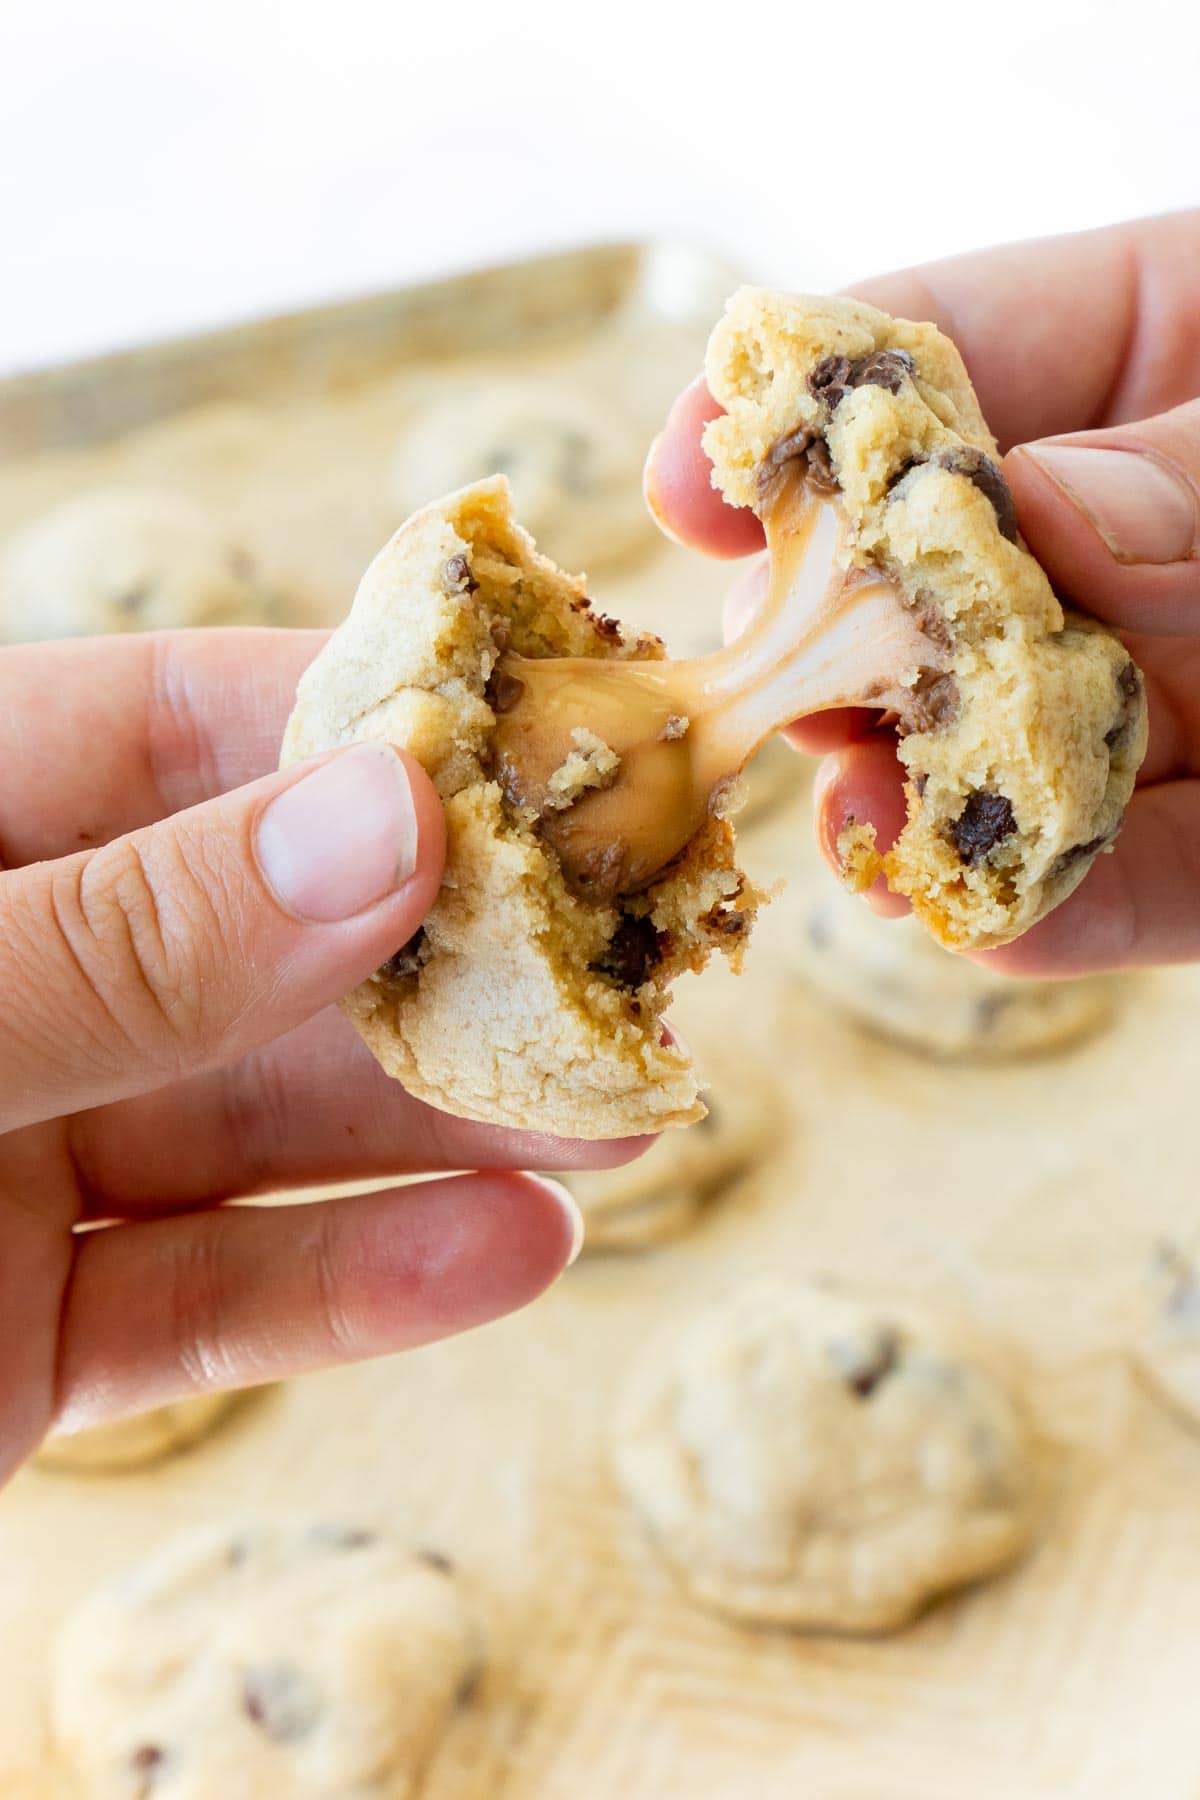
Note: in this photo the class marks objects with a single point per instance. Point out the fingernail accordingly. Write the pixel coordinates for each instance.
(342, 837)
(570, 1206)
(1144, 511)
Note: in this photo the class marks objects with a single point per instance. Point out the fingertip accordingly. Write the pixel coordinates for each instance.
(862, 784)
(677, 484)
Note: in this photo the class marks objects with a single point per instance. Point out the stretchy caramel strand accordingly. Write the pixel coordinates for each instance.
(826, 636)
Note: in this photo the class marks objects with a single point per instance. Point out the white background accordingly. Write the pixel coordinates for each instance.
(165, 164)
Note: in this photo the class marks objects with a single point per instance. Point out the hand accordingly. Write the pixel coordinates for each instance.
(167, 1043)
(1086, 355)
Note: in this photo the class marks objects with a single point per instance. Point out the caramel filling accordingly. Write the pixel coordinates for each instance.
(824, 637)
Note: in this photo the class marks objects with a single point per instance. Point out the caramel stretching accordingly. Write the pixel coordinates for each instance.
(825, 636)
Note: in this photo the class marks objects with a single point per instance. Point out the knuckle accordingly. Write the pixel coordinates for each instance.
(197, 1304)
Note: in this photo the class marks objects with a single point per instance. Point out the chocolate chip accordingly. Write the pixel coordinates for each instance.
(804, 444)
(436, 1560)
(920, 782)
(985, 821)
(608, 629)
(456, 576)
(828, 380)
(964, 459)
(504, 690)
(883, 368)
(343, 1537)
(1129, 687)
(1078, 852)
(501, 635)
(725, 921)
(632, 953)
(408, 960)
(240, 563)
(132, 601)
(934, 703)
(863, 1374)
(281, 1700)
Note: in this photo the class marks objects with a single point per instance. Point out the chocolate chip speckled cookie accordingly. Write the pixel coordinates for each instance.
(523, 1000)
(1023, 727)
(264, 1660)
(809, 1458)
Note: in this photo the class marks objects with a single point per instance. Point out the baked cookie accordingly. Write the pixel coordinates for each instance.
(1023, 727)
(663, 1192)
(523, 1000)
(806, 1458)
(1167, 1351)
(573, 461)
(127, 560)
(892, 977)
(132, 1443)
(314, 1661)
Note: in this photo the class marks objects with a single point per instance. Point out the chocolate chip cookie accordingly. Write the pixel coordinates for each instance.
(1023, 725)
(808, 1458)
(527, 998)
(315, 1661)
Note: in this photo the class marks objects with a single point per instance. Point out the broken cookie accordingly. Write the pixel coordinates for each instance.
(808, 1458)
(533, 994)
(1022, 726)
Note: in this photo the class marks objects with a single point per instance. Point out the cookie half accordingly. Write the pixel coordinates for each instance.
(1025, 731)
(519, 1002)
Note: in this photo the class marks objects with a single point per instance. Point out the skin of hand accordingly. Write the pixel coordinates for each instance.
(1085, 352)
(176, 920)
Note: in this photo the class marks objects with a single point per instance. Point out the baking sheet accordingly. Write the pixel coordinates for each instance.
(1030, 1194)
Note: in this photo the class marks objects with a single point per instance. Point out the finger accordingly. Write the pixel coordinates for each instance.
(862, 784)
(155, 1312)
(313, 1106)
(1037, 373)
(1114, 518)
(129, 729)
(678, 484)
(1137, 907)
(185, 945)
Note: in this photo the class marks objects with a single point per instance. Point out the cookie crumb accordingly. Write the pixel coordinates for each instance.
(861, 862)
(591, 765)
(677, 726)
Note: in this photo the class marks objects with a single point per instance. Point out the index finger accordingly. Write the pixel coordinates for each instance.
(101, 736)
(1062, 334)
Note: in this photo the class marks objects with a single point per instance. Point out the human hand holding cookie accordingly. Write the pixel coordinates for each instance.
(1087, 369)
(175, 923)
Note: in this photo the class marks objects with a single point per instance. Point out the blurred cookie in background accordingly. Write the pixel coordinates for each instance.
(573, 461)
(806, 1457)
(1167, 1347)
(125, 559)
(890, 976)
(664, 1192)
(135, 1442)
(273, 1658)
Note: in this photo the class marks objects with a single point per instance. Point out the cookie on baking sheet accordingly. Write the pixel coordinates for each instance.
(133, 1443)
(1024, 727)
(519, 1002)
(663, 1192)
(1167, 1347)
(809, 1458)
(263, 1660)
(573, 461)
(892, 977)
(122, 559)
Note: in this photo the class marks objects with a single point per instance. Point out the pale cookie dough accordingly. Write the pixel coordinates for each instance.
(127, 559)
(133, 1443)
(573, 461)
(807, 1458)
(1022, 749)
(317, 1662)
(892, 977)
(1167, 1350)
(518, 1002)
(663, 1192)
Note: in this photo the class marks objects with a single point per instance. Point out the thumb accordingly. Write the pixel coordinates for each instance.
(1112, 516)
(188, 943)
